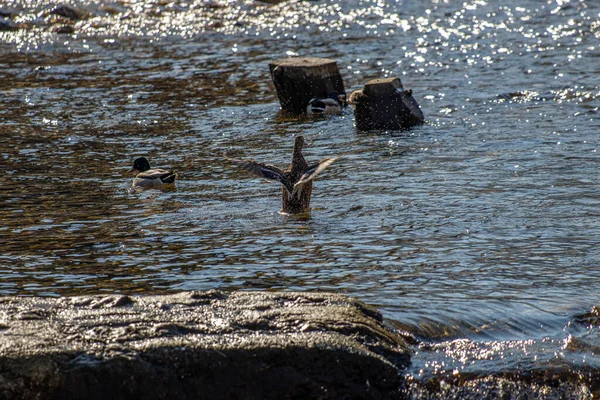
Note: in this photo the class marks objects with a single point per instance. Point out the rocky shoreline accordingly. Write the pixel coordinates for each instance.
(238, 345)
(252, 345)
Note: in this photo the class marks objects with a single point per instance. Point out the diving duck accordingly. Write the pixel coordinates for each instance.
(147, 178)
(325, 105)
(296, 179)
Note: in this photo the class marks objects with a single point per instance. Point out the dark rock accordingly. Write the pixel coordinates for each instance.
(579, 385)
(213, 345)
(72, 13)
(64, 29)
(7, 25)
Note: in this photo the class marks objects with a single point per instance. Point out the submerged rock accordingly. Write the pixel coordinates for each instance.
(252, 345)
(64, 29)
(70, 12)
(7, 25)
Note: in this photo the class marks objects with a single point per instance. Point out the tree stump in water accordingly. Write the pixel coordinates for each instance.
(384, 104)
(300, 79)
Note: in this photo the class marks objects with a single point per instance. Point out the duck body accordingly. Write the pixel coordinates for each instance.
(296, 179)
(324, 105)
(149, 178)
(298, 201)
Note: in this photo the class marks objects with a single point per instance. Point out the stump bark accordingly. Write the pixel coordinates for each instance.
(384, 104)
(300, 79)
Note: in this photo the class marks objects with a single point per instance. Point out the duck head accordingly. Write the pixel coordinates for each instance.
(299, 143)
(140, 165)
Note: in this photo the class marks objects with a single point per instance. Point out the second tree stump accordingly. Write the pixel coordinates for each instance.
(384, 104)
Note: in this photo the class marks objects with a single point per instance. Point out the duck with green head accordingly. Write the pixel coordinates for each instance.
(296, 179)
(148, 178)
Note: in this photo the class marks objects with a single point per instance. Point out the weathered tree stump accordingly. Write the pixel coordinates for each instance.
(384, 104)
(300, 79)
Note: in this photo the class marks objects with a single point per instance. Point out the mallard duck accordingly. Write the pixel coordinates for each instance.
(296, 179)
(147, 178)
(325, 105)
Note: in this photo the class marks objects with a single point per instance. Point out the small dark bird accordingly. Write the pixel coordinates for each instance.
(147, 178)
(296, 179)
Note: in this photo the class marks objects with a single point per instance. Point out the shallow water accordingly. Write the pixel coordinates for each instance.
(476, 232)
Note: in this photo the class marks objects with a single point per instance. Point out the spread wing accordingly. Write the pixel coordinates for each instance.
(312, 172)
(261, 170)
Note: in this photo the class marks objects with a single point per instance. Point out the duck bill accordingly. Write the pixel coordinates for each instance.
(135, 171)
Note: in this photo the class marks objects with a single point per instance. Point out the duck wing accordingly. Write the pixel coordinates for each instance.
(323, 106)
(260, 170)
(163, 175)
(312, 172)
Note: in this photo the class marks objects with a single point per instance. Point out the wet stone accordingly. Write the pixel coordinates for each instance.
(64, 29)
(252, 345)
(72, 13)
(7, 25)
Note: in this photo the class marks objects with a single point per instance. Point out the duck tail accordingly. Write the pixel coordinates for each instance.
(170, 178)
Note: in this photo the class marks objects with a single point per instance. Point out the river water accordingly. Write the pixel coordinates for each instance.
(477, 232)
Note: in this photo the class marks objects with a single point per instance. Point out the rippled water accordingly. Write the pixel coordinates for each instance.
(477, 232)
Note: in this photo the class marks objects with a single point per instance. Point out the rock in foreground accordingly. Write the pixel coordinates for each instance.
(209, 345)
